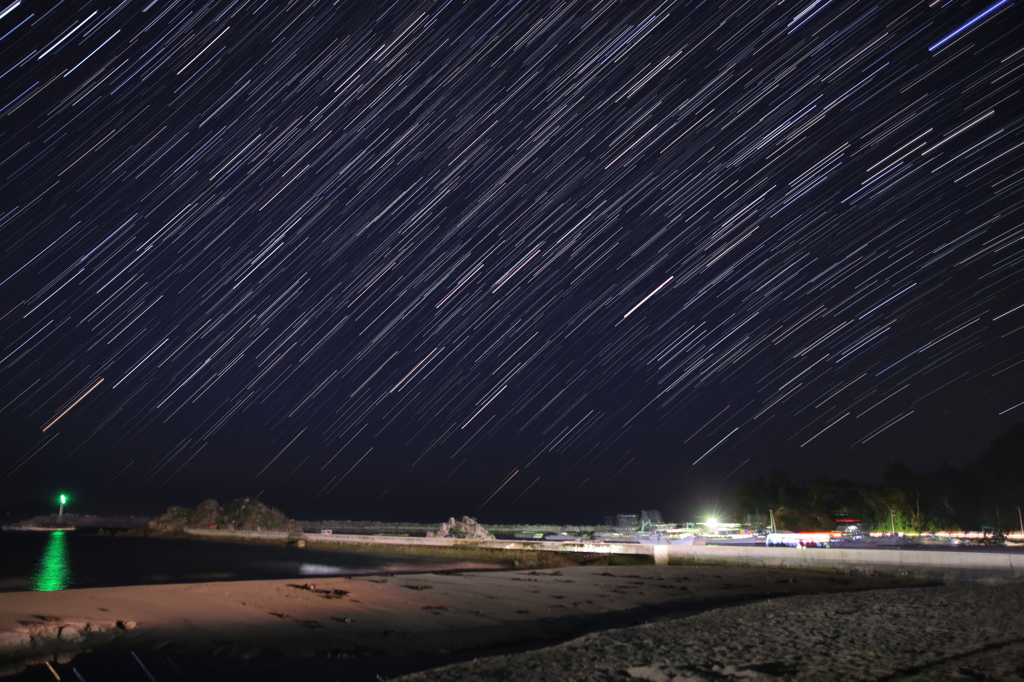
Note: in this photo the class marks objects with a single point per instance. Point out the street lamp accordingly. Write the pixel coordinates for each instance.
(1021, 519)
(892, 520)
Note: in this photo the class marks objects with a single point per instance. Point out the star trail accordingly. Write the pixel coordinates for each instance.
(457, 255)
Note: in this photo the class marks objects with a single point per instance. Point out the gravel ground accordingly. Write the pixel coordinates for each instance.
(955, 633)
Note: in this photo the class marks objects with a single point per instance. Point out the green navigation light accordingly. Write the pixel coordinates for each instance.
(63, 499)
(54, 569)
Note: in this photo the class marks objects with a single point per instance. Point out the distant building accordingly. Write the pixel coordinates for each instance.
(845, 522)
(632, 523)
(623, 523)
(652, 517)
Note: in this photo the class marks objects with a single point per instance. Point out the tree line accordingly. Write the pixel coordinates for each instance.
(986, 493)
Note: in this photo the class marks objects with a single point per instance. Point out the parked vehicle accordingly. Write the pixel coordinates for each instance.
(798, 540)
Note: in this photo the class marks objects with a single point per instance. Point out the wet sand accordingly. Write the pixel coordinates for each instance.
(381, 615)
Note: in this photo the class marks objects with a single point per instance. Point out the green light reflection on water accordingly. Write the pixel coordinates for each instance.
(54, 569)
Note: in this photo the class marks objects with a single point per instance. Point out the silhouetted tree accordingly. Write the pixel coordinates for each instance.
(985, 493)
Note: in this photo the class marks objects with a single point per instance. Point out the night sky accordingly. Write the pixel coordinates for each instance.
(515, 259)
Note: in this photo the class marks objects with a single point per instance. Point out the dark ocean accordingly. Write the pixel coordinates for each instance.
(77, 559)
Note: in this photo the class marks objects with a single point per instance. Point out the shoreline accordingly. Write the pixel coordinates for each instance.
(464, 550)
(894, 561)
(384, 615)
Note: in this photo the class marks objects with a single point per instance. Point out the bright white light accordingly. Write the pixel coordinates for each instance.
(318, 569)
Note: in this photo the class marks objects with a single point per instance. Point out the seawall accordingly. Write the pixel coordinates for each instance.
(950, 565)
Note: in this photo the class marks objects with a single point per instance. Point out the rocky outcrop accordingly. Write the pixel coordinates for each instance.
(466, 528)
(49, 638)
(245, 513)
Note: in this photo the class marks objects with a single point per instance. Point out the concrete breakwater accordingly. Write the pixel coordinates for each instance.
(951, 564)
(421, 529)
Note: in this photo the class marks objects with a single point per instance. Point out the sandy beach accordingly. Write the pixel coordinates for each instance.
(392, 615)
(933, 633)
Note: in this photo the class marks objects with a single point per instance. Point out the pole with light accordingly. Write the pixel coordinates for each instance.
(892, 520)
(63, 501)
(1021, 519)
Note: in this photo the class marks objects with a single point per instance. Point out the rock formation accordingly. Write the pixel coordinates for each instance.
(466, 528)
(245, 513)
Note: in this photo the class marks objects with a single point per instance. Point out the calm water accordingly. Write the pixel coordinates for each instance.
(67, 560)
(57, 561)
